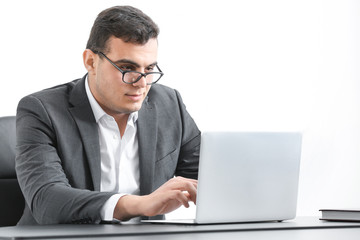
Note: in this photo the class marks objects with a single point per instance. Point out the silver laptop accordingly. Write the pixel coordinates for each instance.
(246, 177)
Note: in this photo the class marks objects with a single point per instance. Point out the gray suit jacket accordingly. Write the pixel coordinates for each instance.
(58, 152)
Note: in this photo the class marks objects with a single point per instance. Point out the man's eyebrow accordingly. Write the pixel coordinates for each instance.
(132, 62)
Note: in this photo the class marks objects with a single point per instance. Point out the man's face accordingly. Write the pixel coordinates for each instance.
(112, 94)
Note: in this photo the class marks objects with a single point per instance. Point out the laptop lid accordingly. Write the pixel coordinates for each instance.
(248, 176)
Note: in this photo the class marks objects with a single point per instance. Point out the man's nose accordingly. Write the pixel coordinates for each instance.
(141, 83)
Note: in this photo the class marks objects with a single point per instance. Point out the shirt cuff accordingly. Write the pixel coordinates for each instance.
(107, 211)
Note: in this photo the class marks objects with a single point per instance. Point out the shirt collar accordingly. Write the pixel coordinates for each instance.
(99, 112)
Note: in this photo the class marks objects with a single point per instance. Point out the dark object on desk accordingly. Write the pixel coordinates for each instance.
(11, 199)
(348, 215)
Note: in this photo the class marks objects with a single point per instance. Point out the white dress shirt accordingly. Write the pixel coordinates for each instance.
(119, 156)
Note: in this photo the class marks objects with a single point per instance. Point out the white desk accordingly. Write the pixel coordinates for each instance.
(300, 228)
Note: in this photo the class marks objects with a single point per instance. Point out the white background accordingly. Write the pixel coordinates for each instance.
(240, 65)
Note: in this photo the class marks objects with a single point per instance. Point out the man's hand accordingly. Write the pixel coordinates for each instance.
(170, 196)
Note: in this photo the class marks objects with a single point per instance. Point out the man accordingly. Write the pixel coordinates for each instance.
(106, 147)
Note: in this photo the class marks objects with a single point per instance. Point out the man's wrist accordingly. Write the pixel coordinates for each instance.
(128, 207)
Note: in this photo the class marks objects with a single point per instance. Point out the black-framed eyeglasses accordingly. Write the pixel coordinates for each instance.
(132, 77)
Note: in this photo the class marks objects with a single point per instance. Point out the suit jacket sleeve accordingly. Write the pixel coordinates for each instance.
(46, 189)
(188, 162)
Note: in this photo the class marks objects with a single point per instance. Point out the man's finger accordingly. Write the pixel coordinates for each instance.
(180, 197)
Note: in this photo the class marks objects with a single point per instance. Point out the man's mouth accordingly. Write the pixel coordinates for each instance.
(134, 96)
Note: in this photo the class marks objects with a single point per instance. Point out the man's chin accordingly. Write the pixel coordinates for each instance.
(131, 109)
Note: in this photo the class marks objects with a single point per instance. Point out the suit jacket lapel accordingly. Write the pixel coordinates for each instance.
(85, 120)
(147, 125)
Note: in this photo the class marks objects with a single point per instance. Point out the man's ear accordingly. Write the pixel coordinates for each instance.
(89, 58)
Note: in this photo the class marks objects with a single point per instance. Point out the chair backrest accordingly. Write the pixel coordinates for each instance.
(11, 199)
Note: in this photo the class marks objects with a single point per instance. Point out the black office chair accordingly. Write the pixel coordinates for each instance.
(11, 199)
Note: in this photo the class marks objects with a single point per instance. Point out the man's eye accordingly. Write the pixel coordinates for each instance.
(127, 68)
(150, 69)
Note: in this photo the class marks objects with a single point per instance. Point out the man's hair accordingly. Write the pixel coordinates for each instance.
(124, 22)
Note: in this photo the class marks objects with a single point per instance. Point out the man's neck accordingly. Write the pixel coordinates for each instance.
(121, 120)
